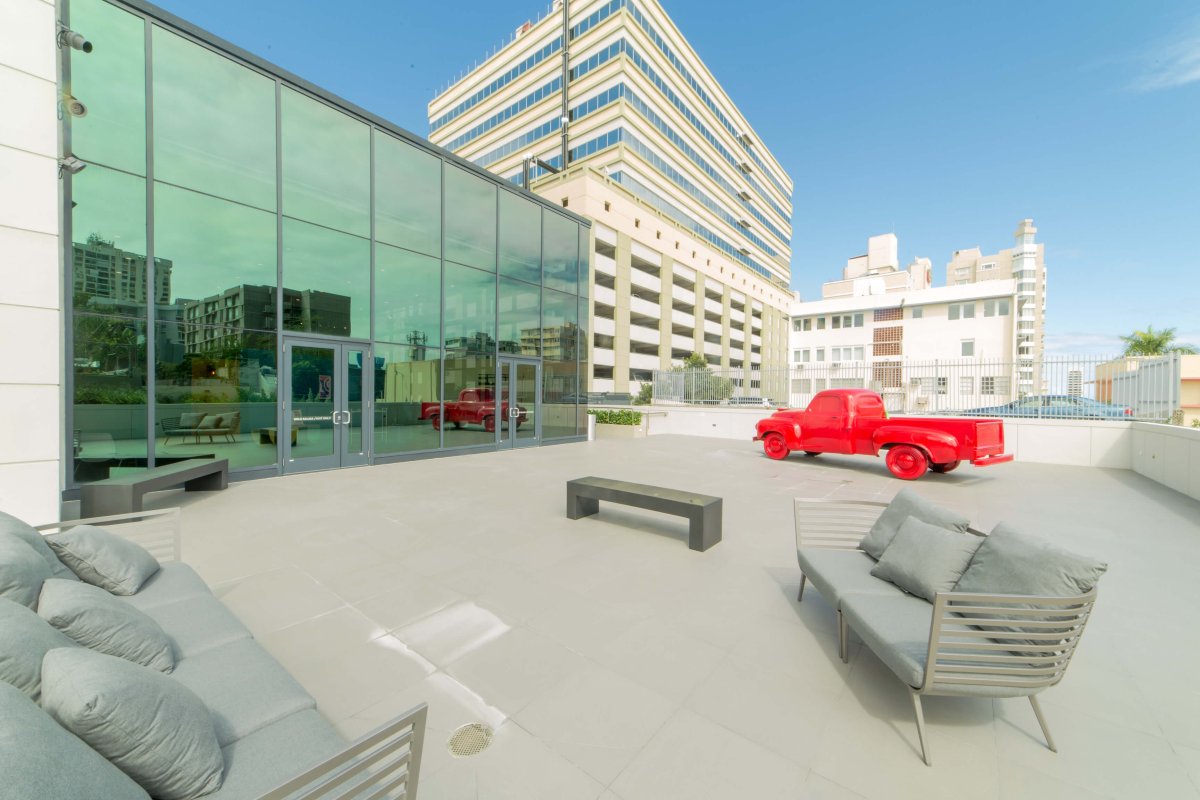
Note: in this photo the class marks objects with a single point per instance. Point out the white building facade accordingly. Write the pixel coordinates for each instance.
(626, 126)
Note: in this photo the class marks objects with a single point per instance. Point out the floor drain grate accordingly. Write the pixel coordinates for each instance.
(469, 740)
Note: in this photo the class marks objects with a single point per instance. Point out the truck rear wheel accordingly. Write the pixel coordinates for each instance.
(436, 419)
(775, 447)
(949, 466)
(489, 424)
(907, 462)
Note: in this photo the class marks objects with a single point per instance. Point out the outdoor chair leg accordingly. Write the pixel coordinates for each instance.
(803, 580)
(916, 698)
(842, 649)
(1037, 712)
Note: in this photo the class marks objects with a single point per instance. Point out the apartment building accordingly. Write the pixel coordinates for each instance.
(603, 107)
(888, 329)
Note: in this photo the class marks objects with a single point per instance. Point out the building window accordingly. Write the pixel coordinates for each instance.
(988, 265)
(968, 310)
(808, 323)
(918, 312)
(637, 223)
(963, 310)
(887, 341)
(820, 323)
(942, 383)
(966, 384)
(994, 384)
(954, 312)
(858, 320)
(858, 354)
(989, 308)
(1003, 307)
(836, 322)
(820, 354)
(607, 206)
(889, 314)
(806, 356)
(968, 347)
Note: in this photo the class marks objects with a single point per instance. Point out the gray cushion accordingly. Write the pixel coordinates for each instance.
(1012, 562)
(24, 639)
(104, 559)
(277, 753)
(26, 533)
(173, 581)
(209, 422)
(97, 620)
(197, 623)
(838, 572)
(190, 419)
(923, 559)
(22, 571)
(38, 759)
(154, 729)
(895, 628)
(244, 688)
(905, 504)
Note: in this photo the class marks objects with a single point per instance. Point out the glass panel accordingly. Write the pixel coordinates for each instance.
(354, 401)
(408, 196)
(526, 393)
(520, 238)
(520, 318)
(214, 123)
(111, 81)
(109, 436)
(560, 333)
(408, 297)
(560, 252)
(407, 395)
(585, 260)
(215, 393)
(469, 412)
(504, 392)
(326, 165)
(470, 219)
(561, 342)
(470, 313)
(312, 386)
(216, 260)
(108, 225)
(327, 281)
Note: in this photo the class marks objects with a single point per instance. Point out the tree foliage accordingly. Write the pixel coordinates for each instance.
(1154, 343)
(700, 384)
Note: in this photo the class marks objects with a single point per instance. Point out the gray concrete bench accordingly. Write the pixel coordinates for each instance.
(703, 511)
(124, 493)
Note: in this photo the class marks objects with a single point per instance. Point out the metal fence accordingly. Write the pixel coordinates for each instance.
(1061, 387)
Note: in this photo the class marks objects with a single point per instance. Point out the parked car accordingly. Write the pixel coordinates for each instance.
(1054, 406)
(474, 406)
(855, 422)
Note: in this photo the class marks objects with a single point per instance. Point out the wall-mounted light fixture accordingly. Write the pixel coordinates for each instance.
(70, 165)
(73, 40)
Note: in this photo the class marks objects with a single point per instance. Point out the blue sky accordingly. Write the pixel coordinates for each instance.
(944, 122)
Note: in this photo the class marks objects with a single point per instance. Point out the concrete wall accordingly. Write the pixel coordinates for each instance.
(1168, 454)
(31, 430)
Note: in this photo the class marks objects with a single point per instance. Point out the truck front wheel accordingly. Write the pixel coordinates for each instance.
(775, 447)
(436, 419)
(489, 424)
(907, 462)
(949, 466)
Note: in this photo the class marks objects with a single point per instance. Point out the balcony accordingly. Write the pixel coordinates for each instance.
(602, 294)
(713, 306)
(737, 334)
(645, 280)
(605, 264)
(683, 295)
(738, 317)
(637, 333)
(682, 342)
(604, 326)
(756, 340)
(644, 361)
(602, 357)
(645, 308)
(683, 318)
(712, 348)
(713, 327)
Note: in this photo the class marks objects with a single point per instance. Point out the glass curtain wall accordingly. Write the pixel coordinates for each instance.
(222, 209)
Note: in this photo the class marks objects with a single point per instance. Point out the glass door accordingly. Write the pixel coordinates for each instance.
(518, 391)
(326, 405)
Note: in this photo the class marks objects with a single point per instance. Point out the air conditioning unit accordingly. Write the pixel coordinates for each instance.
(745, 138)
(744, 166)
(743, 193)
(745, 223)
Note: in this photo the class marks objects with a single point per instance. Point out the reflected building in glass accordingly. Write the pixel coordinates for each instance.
(265, 273)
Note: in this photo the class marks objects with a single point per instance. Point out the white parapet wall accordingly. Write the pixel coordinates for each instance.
(31, 350)
(1168, 454)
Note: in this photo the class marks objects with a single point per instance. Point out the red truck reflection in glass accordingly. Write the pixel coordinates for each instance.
(855, 422)
(473, 407)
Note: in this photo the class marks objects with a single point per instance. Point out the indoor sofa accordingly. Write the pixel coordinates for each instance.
(950, 610)
(259, 730)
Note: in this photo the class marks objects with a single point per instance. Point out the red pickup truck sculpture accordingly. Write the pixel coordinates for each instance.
(855, 422)
(474, 406)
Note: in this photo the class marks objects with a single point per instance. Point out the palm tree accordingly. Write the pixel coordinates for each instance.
(1154, 343)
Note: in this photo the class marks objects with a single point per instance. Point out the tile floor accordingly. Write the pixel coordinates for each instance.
(615, 663)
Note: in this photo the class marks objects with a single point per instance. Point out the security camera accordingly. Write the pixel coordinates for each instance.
(76, 41)
(75, 107)
(71, 164)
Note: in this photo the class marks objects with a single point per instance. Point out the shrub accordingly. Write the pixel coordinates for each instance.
(623, 417)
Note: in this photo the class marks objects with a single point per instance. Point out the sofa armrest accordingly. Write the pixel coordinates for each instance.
(158, 531)
(384, 763)
(834, 524)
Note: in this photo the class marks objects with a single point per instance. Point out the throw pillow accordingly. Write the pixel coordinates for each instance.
(905, 504)
(22, 571)
(40, 759)
(923, 559)
(190, 419)
(24, 639)
(95, 619)
(1012, 562)
(103, 559)
(26, 533)
(152, 727)
(209, 422)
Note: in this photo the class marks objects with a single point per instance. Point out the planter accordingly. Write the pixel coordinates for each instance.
(621, 431)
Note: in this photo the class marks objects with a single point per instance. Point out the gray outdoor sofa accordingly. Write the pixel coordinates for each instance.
(68, 704)
(981, 616)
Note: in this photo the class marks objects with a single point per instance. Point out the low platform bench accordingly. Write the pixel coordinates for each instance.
(703, 511)
(124, 493)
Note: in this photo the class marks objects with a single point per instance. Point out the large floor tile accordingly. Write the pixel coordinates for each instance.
(511, 670)
(278, 599)
(691, 757)
(658, 656)
(596, 719)
(321, 638)
(818, 787)
(409, 599)
(361, 676)
(453, 632)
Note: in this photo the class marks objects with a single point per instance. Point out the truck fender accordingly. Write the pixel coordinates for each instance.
(941, 447)
(791, 432)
